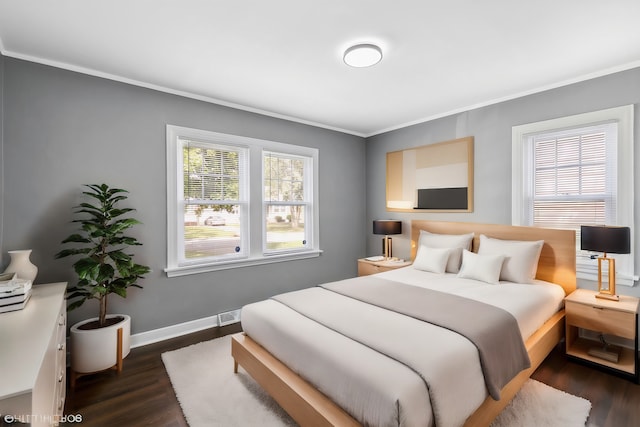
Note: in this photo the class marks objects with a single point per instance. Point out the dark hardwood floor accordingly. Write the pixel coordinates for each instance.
(615, 401)
(142, 394)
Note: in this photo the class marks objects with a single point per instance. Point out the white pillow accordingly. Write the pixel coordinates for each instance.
(431, 259)
(485, 268)
(521, 257)
(456, 242)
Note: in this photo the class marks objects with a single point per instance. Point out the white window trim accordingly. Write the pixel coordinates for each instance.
(254, 234)
(586, 269)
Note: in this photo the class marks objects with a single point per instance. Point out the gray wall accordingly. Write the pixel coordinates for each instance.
(63, 129)
(60, 129)
(491, 128)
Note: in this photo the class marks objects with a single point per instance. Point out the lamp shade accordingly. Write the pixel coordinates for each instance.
(607, 239)
(387, 227)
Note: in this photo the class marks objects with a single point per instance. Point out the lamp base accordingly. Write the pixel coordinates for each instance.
(610, 292)
(610, 353)
(608, 296)
(386, 247)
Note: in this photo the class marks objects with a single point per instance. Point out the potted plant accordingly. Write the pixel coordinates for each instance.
(103, 268)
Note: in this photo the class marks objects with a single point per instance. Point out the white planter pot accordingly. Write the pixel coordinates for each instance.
(94, 350)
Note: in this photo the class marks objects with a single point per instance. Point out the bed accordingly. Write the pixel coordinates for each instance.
(293, 355)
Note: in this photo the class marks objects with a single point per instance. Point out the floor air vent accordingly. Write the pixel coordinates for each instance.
(228, 317)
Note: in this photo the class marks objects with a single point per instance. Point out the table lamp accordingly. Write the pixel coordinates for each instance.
(387, 227)
(606, 239)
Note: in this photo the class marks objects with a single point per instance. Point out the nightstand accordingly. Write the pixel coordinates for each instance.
(613, 318)
(372, 267)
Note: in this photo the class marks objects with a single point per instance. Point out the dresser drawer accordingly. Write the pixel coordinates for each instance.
(39, 380)
(61, 363)
(60, 390)
(61, 333)
(601, 319)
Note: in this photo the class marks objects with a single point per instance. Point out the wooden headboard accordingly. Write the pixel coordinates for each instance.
(557, 262)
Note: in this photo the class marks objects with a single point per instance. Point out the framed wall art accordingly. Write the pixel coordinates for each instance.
(434, 178)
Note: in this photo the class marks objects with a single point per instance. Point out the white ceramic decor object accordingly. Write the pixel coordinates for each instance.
(22, 265)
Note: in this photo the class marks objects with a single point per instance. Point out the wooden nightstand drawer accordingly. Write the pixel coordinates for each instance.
(372, 267)
(364, 269)
(601, 319)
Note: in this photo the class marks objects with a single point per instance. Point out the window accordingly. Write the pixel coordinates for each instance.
(286, 202)
(214, 200)
(577, 171)
(236, 201)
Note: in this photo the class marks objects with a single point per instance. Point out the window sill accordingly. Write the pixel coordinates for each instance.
(589, 272)
(227, 265)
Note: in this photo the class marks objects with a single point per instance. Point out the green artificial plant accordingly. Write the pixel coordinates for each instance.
(104, 267)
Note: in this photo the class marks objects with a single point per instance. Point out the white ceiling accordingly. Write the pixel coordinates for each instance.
(284, 57)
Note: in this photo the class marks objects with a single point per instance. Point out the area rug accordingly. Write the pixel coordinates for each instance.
(210, 394)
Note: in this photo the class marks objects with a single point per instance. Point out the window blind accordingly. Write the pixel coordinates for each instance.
(211, 174)
(574, 181)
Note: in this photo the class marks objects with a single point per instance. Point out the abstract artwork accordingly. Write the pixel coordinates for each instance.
(436, 177)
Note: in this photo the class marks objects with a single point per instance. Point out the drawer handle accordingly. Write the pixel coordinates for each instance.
(598, 308)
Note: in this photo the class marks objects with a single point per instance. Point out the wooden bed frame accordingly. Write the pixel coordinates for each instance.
(308, 407)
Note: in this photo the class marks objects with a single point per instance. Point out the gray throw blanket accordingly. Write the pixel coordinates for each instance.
(493, 330)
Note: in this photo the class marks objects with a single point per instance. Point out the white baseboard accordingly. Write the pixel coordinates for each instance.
(156, 335)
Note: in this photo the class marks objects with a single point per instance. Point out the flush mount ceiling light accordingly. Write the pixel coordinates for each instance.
(362, 55)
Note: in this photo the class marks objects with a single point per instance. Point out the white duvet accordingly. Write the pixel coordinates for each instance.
(376, 389)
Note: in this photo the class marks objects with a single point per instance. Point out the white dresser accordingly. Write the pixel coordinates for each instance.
(33, 357)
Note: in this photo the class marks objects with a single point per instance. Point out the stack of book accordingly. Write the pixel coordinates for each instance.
(14, 293)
